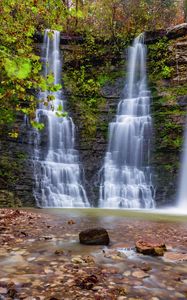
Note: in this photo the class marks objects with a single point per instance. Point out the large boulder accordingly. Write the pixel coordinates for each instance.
(153, 248)
(94, 236)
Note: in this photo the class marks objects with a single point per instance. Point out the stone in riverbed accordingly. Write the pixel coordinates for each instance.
(153, 248)
(94, 236)
(140, 274)
(172, 256)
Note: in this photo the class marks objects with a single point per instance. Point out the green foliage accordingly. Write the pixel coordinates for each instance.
(19, 68)
(85, 75)
(166, 72)
(60, 112)
(159, 57)
(37, 125)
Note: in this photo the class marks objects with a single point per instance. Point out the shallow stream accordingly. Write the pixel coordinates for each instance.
(36, 265)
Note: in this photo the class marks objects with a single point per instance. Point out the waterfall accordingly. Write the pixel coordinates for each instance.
(57, 169)
(126, 180)
(182, 193)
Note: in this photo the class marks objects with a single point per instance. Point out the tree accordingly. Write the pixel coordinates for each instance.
(20, 66)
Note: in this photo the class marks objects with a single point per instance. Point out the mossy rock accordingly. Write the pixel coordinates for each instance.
(8, 199)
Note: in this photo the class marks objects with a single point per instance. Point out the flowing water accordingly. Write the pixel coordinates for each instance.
(57, 170)
(126, 180)
(182, 193)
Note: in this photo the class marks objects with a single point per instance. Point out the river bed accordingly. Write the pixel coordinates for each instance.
(41, 257)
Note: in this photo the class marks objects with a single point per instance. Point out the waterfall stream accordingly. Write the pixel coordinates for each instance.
(126, 180)
(57, 168)
(182, 193)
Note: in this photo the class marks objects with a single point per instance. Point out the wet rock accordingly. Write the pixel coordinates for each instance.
(145, 267)
(89, 259)
(12, 292)
(48, 270)
(175, 256)
(47, 237)
(97, 288)
(94, 236)
(87, 283)
(71, 222)
(3, 291)
(154, 248)
(127, 273)
(2, 229)
(59, 252)
(114, 254)
(140, 274)
(77, 260)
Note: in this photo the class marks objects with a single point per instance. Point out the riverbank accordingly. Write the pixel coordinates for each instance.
(41, 258)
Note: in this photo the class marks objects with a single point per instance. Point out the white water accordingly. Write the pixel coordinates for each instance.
(182, 193)
(57, 169)
(126, 180)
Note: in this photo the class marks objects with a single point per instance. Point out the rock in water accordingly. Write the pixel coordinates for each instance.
(154, 248)
(175, 256)
(94, 236)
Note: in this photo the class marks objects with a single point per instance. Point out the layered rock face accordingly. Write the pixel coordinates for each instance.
(16, 175)
(169, 115)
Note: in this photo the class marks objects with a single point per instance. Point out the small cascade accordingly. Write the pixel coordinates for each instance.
(126, 180)
(57, 169)
(182, 192)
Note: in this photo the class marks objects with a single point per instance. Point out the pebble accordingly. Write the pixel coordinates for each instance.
(3, 290)
(77, 260)
(140, 274)
(170, 288)
(112, 283)
(184, 281)
(47, 237)
(175, 256)
(97, 288)
(48, 271)
(127, 273)
(31, 258)
(179, 296)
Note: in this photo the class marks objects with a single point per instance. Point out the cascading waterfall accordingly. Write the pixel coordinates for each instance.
(182, 193)
(57, 168)
(126, 180)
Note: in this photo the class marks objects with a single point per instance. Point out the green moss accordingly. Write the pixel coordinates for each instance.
(159, 59)
(91, 68)
(8, 199)
(11, 168)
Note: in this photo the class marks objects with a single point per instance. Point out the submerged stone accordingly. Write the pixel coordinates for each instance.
(153, 248)
(172, 256)
(94, 236)
(140, 274)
